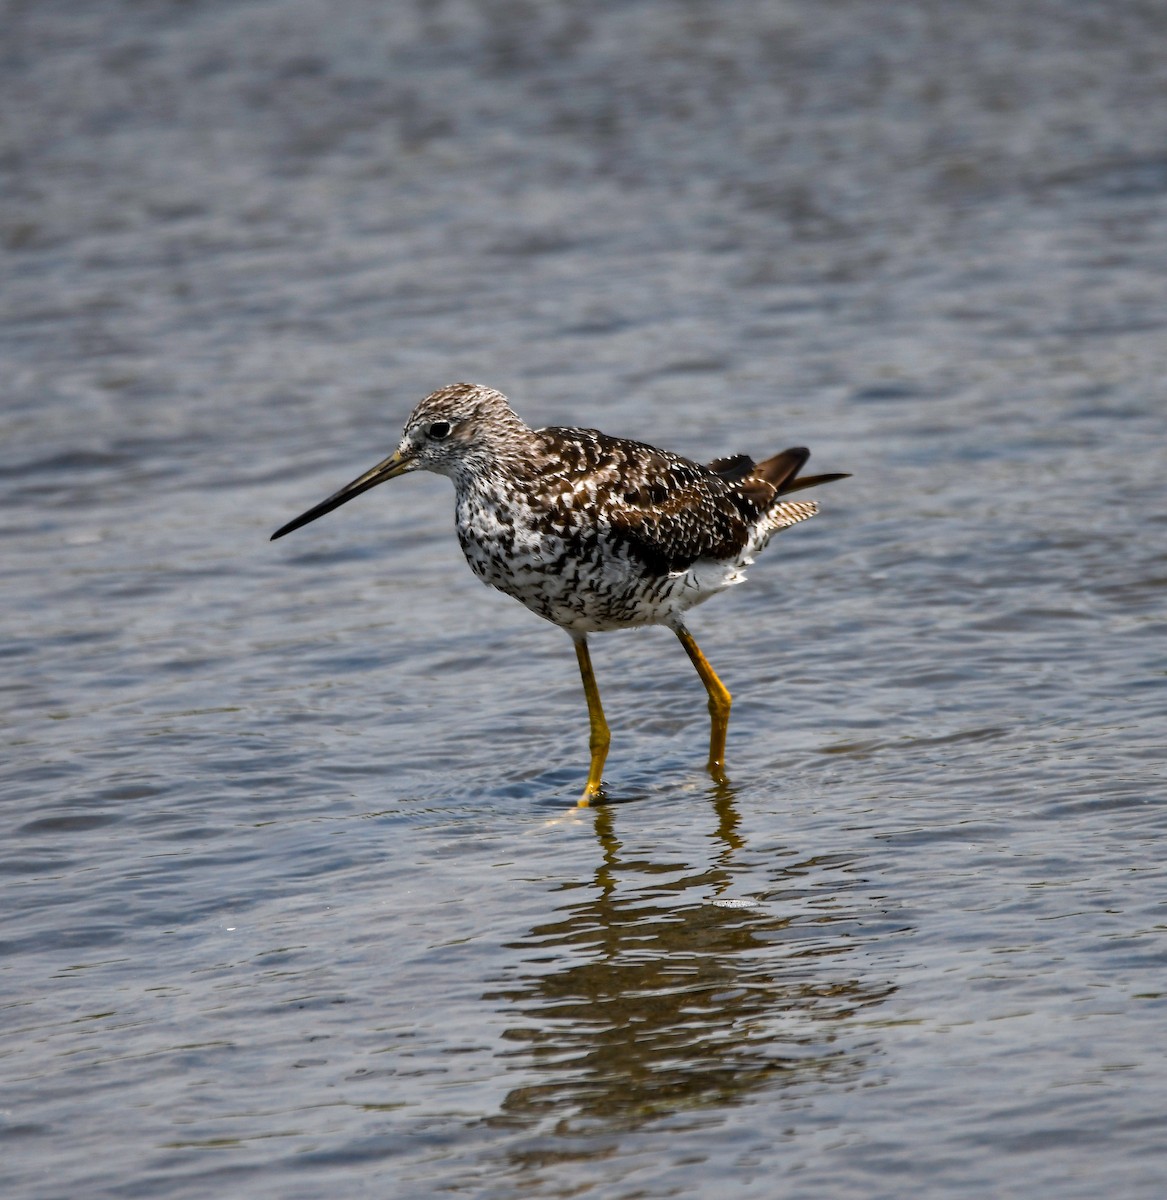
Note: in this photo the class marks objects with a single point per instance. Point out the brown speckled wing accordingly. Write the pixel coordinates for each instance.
(669, 511)
(672, 512)
(696, 521)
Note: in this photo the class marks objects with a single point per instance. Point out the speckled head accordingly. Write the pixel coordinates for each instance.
(463, 430)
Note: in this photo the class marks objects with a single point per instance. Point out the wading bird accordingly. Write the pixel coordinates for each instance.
(594, 532)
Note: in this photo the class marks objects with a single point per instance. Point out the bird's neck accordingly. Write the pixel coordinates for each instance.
(509, 456)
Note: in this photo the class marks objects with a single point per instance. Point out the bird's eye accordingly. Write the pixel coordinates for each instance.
(438, 430)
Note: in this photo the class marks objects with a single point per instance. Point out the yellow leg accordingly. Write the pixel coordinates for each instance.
(719, 702)
(600, 737)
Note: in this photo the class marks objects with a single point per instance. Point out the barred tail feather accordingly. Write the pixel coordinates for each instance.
(781, 516)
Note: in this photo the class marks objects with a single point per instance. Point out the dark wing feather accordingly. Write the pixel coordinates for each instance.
(780, 471)
(668, 510)
(680, 512)
(691, 524)
(739, 466)
(809, 481)
(700, 512)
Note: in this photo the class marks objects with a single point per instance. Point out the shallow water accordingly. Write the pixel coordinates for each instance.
(296, 902)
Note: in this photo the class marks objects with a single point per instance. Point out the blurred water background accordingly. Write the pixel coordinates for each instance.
(294, 900)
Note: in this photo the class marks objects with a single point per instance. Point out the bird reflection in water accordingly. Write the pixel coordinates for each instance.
(654, 993)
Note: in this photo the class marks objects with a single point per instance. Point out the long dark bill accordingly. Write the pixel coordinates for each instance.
(396, 464)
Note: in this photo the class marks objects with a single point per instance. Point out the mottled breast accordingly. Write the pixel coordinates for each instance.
(594, 532)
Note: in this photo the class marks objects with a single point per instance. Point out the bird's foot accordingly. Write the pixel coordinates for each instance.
(592, 794)
(716, 769)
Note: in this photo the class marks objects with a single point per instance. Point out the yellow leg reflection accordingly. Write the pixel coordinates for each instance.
(719, 702)
(600, 737)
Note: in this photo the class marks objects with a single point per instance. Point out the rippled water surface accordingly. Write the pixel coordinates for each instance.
(295, 900)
